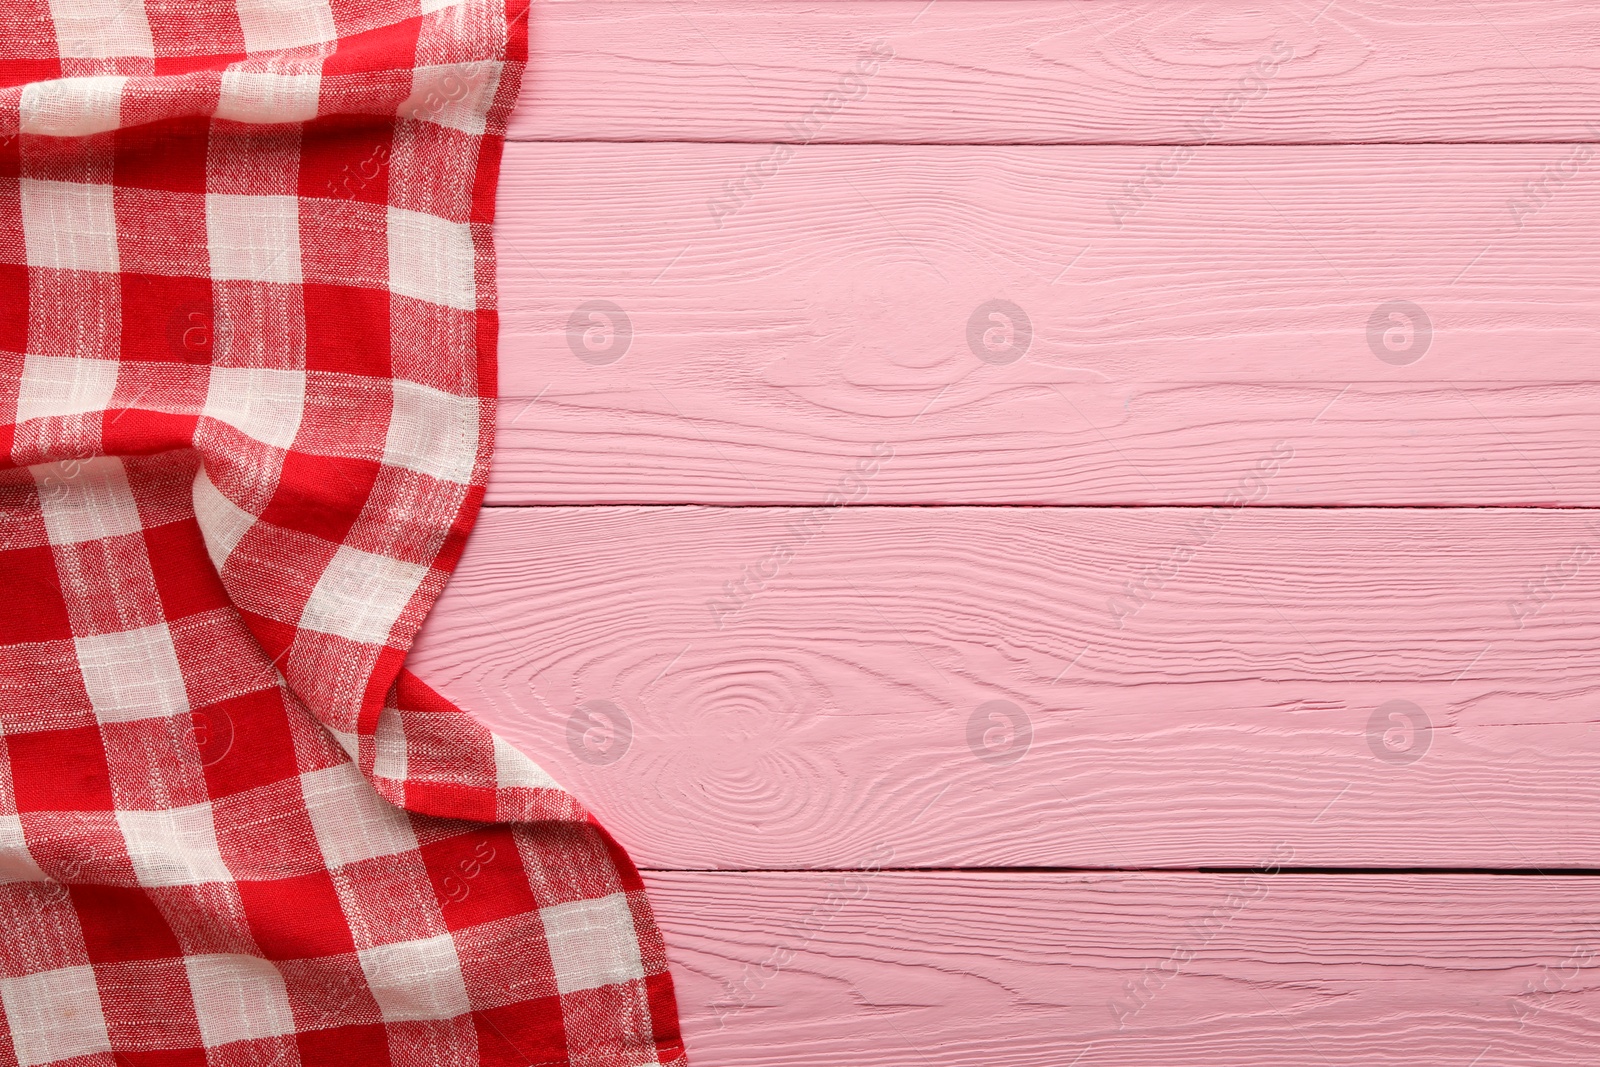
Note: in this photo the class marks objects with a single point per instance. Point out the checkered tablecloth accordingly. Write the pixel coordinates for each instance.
(247, 372)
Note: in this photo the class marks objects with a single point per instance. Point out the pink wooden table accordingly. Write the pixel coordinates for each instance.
(1202, 665)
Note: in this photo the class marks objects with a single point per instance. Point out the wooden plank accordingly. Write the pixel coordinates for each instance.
(890, 969)
(1065, 71)
(831, 316)
(788, 687)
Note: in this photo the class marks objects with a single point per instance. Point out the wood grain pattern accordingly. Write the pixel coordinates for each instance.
(801, 684)
(775, 345)
(762, 290)
(930, 969)
(1067, 71)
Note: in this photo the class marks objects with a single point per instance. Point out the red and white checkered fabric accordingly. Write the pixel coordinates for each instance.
(247, 369)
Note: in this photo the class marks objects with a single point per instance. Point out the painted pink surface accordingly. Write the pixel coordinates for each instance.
(1228, 313)
(798, 321)
(951, 969)
(1062, 71)
(830, 710)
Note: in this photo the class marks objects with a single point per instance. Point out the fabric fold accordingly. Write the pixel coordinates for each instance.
(247, 381)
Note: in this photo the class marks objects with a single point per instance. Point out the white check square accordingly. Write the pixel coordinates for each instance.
(237, 998)
(512, 769)
(457, 96)
(133, 674)
(414, 980)
(272, 25)
(260, 402)
(73, 107)
(54, 1015)
(360, 595)
(16, 862)
(64, 385)
(253, 238)
(265, 96)
(86, 500)
(432, 259)
(432, 432)
(174, 846)
(389, 743)
(592, 943)
(101, 29)
(69, 225)
(351, 821)
(223, 523)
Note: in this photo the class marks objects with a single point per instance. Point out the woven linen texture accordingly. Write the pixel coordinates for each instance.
(247, 379)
